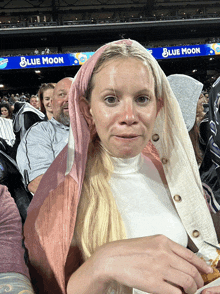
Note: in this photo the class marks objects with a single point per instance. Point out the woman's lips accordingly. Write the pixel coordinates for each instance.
(131, 135)
(127, 137)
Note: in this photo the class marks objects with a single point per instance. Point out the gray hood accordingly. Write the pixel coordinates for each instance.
(187, 91)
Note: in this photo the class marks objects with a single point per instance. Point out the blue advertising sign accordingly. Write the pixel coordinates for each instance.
(40, 61)
(71, 59)
(185, 51)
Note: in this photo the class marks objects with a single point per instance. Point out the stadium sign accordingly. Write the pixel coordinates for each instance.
(185, 51)
(40, 61)
(71, 59)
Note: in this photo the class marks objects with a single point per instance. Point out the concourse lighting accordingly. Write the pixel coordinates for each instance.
(37, 71)
(1, 86)
(194, 70)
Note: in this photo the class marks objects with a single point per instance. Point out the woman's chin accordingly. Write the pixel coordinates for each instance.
(128, 153)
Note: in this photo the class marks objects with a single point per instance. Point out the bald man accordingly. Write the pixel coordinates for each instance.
(44, 140)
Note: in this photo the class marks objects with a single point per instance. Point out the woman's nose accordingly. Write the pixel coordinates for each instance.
(128, 114)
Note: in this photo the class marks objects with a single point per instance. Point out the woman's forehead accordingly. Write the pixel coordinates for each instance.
(114, 66)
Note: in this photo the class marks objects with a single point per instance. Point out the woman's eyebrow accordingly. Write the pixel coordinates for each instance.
(109, 90)
(146, 91)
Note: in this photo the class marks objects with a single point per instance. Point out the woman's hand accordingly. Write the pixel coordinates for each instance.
(152, 264)
(215, 289)
(212, 290)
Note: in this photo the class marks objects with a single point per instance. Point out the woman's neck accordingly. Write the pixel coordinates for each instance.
(127, 165)
(49, 115)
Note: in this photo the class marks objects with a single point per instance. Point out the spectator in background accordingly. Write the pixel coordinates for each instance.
(5, 99)
(34, 101)
(22, 97)
(12, 101)
(36, 51)
(45, 95)
(17, 97)
(50, 136)
(6, 110)
(25, 115)
(210, 134)
(47, 50)
(7, 136)
(6, 131)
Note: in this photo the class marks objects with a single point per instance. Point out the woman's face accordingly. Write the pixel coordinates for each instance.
(47, 96)
(123, 106)
(4, 112)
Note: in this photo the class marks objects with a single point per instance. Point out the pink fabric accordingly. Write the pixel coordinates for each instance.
(51, 217)
(11, 251)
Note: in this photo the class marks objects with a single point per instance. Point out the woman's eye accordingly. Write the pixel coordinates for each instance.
(110, 100)
(142, 99)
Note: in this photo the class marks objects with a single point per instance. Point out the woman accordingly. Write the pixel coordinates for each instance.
(45, 94)
(115, 188)
(6, 110)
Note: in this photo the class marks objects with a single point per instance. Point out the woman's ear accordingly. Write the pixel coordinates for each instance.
(160, 104)
(86, 110)
(87, 113)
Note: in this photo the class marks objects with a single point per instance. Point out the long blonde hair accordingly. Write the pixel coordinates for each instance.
(98, 219)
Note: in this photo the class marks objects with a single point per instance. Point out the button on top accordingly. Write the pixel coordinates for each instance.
(155, 137)
(164, 160)
(196, 234)
(177, 198)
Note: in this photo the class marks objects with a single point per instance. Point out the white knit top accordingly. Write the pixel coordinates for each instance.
(144, 202)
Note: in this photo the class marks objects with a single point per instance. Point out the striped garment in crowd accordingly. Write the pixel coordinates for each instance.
(6, 131)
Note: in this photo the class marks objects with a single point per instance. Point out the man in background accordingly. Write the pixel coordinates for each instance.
(44, 140)
(34, 101)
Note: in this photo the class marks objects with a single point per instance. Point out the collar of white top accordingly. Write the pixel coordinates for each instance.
(127, 165)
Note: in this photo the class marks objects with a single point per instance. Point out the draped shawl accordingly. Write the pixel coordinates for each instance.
(52, 213)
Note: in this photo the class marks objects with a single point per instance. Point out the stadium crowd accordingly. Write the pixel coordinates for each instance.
(113, 17)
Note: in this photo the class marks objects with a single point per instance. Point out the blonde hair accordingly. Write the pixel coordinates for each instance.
(98, 219)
